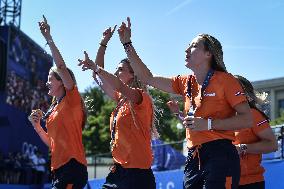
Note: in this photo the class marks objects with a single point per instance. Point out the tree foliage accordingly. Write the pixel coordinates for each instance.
(279, 120)
(96, 135)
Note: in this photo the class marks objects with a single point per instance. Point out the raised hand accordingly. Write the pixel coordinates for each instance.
(107, 35)
(173, 106)
(44, 28)
(87, 64)
(125, 32)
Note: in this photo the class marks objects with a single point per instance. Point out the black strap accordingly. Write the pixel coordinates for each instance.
(49, 111)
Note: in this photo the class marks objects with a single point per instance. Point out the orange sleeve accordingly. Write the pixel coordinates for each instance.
(73, 96)
(178, 84)
(234, 92)
(144, 111)
(260, 122)
(146, 100)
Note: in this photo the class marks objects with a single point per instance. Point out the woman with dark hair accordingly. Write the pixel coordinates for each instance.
(131, 122)
(253, 142)
(214, 104)
(65, 120)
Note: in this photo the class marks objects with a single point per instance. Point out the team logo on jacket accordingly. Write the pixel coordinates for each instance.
(210, 94)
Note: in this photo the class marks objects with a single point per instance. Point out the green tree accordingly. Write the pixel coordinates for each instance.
(167, 123)
(279, 120)
(96, 135)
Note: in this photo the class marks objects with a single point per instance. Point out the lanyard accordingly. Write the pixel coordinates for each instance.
(49, 111)
(205, 84)
(119, 104)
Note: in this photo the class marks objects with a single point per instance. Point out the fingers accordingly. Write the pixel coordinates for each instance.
(128, 23)
(81, 62)
(86, 64)
(86, 56)
(113, 29)
(188, 122)
(44, 19)
(34, 117)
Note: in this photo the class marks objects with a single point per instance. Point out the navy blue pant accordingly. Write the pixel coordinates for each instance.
(130, 178)
(72, 172)
(218, 161)
(257, 185)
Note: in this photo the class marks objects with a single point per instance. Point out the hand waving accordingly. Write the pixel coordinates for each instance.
(87, 64)
(107, 35)
(125, 32)
(173, 106)
(44, 28)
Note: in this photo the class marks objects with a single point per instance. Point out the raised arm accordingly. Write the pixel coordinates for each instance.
(112, 82)
(59, 62)
(103, 45)
(140, 69)
(88, 64)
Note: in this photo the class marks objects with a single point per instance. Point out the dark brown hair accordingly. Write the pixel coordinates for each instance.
(212, 45)
(253, 100)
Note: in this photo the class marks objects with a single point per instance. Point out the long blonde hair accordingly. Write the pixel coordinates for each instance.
(136, 83)
(56, 74)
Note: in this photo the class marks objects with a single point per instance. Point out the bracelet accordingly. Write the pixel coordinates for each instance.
(103, 45)
(127, 43)
(179, 115)
(209, 124)
(98, 69)
(243, 148)
(49, 41)
(127, 46)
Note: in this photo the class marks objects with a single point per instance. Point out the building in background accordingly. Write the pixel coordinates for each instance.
(275, 90)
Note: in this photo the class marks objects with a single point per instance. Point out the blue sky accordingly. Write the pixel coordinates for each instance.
(251, 32)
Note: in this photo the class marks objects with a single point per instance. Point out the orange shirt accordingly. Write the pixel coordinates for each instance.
(220, 96)
(64, 129)
(251, 169)
(133, 144)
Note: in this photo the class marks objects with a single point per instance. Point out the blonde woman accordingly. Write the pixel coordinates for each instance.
(130, 123)
(65, 120)
(214, 104)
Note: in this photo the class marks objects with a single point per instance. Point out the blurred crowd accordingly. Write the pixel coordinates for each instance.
(22, 95)
(19, 168)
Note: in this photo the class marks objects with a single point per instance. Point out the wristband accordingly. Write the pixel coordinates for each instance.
(209, 124)
(243, 148)
(97, 69)
(49, 41)
(127, 46)
(179, 115)
(103, 45)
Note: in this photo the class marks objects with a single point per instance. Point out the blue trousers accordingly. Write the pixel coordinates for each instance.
(212, 165)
